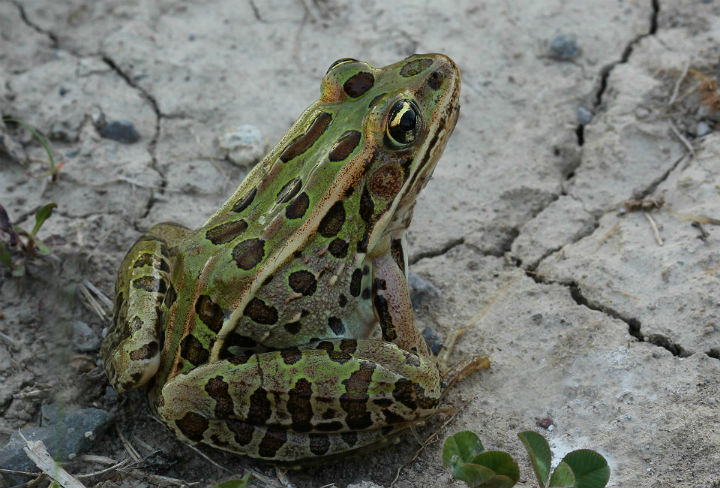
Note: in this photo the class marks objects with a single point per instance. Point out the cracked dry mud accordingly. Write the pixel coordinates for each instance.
(525, 228)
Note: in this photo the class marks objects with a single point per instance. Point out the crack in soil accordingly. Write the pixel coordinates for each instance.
(23, 15)
(436, 252)
(152, 145)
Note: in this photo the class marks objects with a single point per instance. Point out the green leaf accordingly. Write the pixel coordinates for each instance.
(41, 216)
(539, 452)
(473, 474)
(40, 139)
(562, 477)
(461, 448)
(43, 249)
(236, 483)
(591, 470)
(5, 256)
(500, 462)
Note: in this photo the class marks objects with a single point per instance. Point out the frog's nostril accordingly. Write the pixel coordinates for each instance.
(436, 79)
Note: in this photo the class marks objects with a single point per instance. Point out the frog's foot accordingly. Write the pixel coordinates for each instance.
(322, 399)
(453, 373)
(131, 349)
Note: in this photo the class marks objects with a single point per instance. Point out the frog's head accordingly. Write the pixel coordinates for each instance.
(406, 112)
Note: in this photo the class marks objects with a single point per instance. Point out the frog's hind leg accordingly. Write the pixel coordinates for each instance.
(131, 350)
(318, 400)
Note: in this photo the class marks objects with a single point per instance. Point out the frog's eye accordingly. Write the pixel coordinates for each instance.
(341, 61)
(403, 123)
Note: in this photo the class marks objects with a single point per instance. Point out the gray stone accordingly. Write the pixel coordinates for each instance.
(67, 434)
(84, 338)
(564, 47)
(119, 130)
(243, 146)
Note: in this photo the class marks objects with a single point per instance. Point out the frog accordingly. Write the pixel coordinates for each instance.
(282, 329)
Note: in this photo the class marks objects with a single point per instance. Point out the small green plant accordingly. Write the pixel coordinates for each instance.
(27, 242)
(54, 168)
(235, 483)
(465, 455)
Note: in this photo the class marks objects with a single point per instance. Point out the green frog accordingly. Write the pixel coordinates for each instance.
(254, 333)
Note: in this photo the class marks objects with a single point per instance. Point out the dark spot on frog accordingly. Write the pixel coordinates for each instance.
(383, 402)
(297, 207)
(299, 405)
(261, 313)
(152, 284)
(243, 432)
(336, 325)
(367, 206)
(243, 203)
(303, 142)
(345, 145)
(302, 282)
(350, 438)
(342, 300)
(260, 408)
(147, 351)
(366, 293)
(319, 444)
(249, 253)
(170, 296)
(383, 315)
(217, 388)
(193, 350)
(329, 426)
(338, 248)
(293, 327)
(354, 400)
(192, 425)
(348, 346)
(380, 284)
(392, 418)
(152, 260)
(209, 312)
(272, 442)
(333, 220)
(412, 395)
(356, 282)
(226, 232)
(358, 84)
(291, 355)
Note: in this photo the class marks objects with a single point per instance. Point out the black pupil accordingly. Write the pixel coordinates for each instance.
(407, 121)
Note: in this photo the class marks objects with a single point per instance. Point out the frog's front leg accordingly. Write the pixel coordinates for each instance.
(321, 399)
(393, 308)
(131, 350)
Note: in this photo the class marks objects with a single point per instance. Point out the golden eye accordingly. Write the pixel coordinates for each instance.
(403, 123)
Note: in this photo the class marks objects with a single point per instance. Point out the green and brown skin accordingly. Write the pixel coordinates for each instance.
(253, 332)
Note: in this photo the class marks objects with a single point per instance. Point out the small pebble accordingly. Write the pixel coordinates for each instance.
(584, 116)
(703, 129)
(119, 130)
(433, 340)
(564, 47)
(421, 290)
(243, 146)
(84, 338)
(641, 112)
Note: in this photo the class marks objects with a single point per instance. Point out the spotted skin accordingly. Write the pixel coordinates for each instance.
(255, 327)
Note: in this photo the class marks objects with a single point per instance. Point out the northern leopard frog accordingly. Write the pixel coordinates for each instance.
(253, 332)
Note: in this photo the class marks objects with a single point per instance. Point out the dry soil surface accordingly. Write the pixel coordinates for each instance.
(571, 226)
